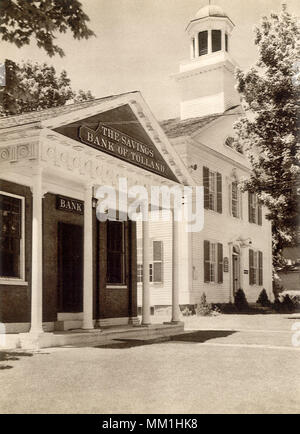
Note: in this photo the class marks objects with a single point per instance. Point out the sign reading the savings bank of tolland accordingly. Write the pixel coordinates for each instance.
(118, 132)
(119, 144)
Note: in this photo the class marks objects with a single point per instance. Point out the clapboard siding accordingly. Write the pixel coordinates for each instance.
(161, 294)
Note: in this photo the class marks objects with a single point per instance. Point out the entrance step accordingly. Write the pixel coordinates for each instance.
(68, 325)
(141, 334)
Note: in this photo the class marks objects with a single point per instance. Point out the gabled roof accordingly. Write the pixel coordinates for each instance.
(41, 115)
(174, 128)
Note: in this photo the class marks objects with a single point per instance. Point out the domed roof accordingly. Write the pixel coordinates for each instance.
(210, 11)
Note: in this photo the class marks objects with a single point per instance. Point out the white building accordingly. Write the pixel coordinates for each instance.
(234, 250)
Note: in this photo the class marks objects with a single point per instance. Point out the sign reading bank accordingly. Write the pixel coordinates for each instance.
(119, 132)
(119, 144)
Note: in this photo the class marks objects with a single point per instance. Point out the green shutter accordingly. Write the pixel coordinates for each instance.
(206, 262)
(219, 193)
(206, 187)
(220, 263)
(260, 272)
(251, 265)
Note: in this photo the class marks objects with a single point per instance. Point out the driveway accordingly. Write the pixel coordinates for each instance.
(230, 365)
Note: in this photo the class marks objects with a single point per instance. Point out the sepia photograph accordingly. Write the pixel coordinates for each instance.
(149, 210)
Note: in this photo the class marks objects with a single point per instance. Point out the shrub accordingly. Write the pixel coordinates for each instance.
(277, 305)
(206, 309)
(186, 311)
(287, 303)
(226, 308)
(203, 308)
(277, 288)
(263, 299)
(240, 300)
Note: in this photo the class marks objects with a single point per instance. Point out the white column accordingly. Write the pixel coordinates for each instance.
(192, 48)
(88, 261)
(196, 45)
(37, 255)
(146, 320)
(176, 272)
(222, 40)
(209, 43)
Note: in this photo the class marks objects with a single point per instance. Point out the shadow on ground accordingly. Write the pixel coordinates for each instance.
(198, 336)
(6, 356)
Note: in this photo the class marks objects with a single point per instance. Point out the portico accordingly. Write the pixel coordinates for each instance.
(81, 273)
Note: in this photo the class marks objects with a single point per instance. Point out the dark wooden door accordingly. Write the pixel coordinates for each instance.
(70, 267)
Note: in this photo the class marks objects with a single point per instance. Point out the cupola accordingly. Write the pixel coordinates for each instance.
(206, 80)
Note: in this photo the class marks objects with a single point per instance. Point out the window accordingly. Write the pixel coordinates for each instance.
(233, 144)
(150, 272)
(229, 141)
(216, 36)
(213, 262)
(254, 209)
(203, 43)
(139, 273)
(157, 261)
(11, 242)
(115, 252)
(194, 47)
(226, 42)
(236, 200)
(255, 267)
(212, 182)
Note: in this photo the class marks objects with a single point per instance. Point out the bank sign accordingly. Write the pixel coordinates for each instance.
(119, 144)
(69, 205)
(119, 133)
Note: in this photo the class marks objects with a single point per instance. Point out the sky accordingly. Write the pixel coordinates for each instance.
(140, 43)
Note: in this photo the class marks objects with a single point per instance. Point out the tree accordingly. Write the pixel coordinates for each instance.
(82, 96)
(269, 130)
(23, 20)
(33, 86)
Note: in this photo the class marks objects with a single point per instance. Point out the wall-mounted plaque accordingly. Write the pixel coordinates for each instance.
(69, 205)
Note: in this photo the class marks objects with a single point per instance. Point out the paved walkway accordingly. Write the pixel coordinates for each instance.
(251, 367)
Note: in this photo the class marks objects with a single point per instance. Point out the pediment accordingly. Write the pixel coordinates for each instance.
(119, 132)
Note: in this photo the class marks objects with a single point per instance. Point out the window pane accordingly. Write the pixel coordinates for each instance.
(216, 40)
(115, 252)
(157, 250)
(115, 268)
(157, 272)
(10, 236)
(212, 190)
(150, 273)
(115, 236)
(139, 273)
(234, 199)
(203, 36)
